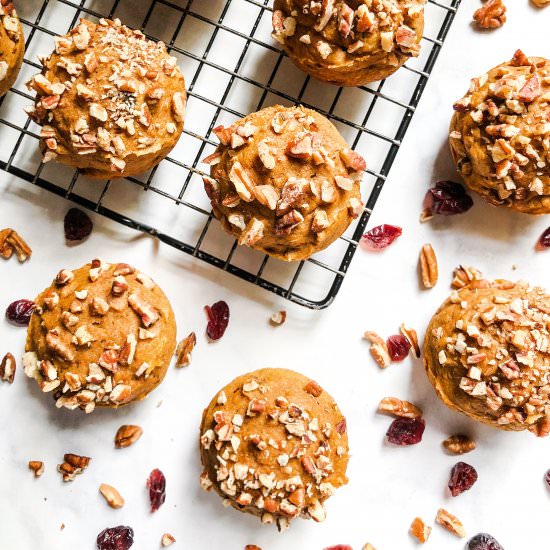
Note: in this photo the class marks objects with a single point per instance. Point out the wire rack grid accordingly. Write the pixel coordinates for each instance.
(232, 67)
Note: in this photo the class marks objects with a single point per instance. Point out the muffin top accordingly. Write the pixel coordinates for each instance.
(344, 33)
(487, 353)
(275, 444)
(100, 335)
(500, 134)
(109, 94)
(12, 43)
(284, 181)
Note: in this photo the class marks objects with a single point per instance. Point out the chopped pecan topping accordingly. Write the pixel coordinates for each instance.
(64, 277)
(55, 344)
(241, 180)
(148, 314)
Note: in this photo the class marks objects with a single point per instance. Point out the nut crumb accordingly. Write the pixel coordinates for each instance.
(278, 318)
(184, 350)
(428, 266)
(420, 530)
(127, 435)
(167, 539)
(459, 444)
(111, 495)
(378, 349)
(450, 522)
(37, 467)
(399, 408)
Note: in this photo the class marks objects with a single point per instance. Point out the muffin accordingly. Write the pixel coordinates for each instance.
(102, 335)
(487, 354)
(12, 46)
(500, 131)
(110, 102)
(349, 42)
(275, 445)
(284, 182)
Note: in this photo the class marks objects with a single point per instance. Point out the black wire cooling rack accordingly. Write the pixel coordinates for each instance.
(232, 67)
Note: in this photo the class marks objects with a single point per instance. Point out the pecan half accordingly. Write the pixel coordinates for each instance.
(397, 407)
(459, 444)
(428, 266)
(184, 349)
(7, 368)
(127, 435)
(492, 15)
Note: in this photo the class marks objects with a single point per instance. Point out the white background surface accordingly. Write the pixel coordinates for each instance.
(388, 486)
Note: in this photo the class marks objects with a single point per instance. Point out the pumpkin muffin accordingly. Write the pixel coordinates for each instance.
(349, 42)
(102, 335)
(110, 101)
(284, 181)
(487, 354)
(500, 135)
(274, 444)
(12, 46)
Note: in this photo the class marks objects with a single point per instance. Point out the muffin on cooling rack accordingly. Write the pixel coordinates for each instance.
(487, 354)
(101, 335)
(12, 46)
(499, 135)
(274, 444)
(284, 181)
(110, 101)
(349, 42)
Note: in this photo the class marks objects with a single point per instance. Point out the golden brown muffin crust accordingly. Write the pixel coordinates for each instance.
(12, 46)
(500, 135)
(349, 42)
(487, 354)
(274, 444)
(101, 335)
(284, 182)
(111, 101)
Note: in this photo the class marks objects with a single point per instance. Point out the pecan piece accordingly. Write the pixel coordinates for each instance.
(278, 318)
(167, 539)
(428, 266)
(420, 530)
(378, 349)
(37, 467)
(459, 444)
(127, 435)
(412, 337)
(7, 368)
(72, 466)
(399, 408)
(148, 314)
(111, 495)
(10, 242)
(450, 522)
(530, 90)
(492, 15)
(184, 350)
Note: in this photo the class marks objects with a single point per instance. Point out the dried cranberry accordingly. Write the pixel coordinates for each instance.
(406, 431)
(19, 312)
(157, 489)
(398, 347)
(78, 225)
(447, 198)
(463, 476)
(483, 541)
(339, 547)
(115, 538)
(381, 236)
(218, 319)
(544, 240)
(547, 477)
